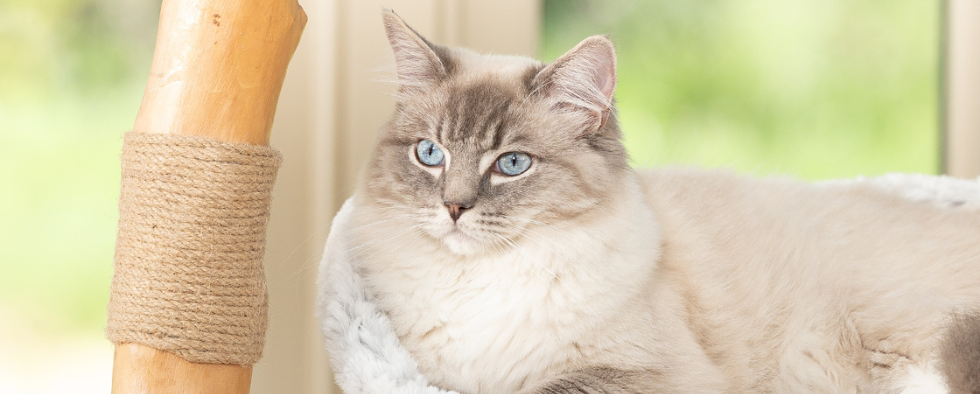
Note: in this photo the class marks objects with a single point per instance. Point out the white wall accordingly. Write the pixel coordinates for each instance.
(962, 156)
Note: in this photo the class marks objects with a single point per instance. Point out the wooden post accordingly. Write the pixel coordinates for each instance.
(217, 71)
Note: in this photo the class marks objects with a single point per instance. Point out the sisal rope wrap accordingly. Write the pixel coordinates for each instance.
(188, 266)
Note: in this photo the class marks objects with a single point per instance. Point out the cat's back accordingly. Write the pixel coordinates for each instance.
(723, 199)
(821, 231)
(725, 204)
(791, 272)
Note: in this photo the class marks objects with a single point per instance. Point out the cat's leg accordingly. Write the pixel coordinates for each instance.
(605, 380)
(954, 369)
(959, 358)
(896, 372)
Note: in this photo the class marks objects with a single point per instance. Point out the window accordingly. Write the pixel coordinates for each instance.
(816, 89)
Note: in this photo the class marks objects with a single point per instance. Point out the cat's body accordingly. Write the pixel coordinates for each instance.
(761, 286)
(579, 273)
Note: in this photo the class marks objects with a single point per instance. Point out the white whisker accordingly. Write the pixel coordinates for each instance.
(386, 238)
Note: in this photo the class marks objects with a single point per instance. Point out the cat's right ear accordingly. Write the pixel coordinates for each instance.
(416, 61)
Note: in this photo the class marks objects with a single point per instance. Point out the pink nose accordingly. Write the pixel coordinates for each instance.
(455, 211)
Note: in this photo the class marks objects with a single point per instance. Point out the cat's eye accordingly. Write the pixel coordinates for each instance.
(513, 163)
(428, 153)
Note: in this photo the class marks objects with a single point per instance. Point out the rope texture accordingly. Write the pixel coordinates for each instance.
(188, 266)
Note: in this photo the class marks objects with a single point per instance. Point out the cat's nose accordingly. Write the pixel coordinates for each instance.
(456, 210)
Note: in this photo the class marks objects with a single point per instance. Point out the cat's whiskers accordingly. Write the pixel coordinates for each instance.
(358, 234)
(311, 260)
(497, 238)
(494, 243)
(298, 246)
(407, 237)
(539, 223)
(481, 233)
(367, 241)
(387, 219)
(406, 241)
(384, 208)
(371, 210)
(525, 230)
(376, 235)
(401, 234)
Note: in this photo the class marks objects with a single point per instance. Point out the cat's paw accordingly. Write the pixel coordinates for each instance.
(924, 381)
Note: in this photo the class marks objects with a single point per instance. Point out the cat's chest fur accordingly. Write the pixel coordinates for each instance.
(495, 323)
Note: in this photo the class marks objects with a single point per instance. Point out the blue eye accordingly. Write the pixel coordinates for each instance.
(428, 153)
(513, 163)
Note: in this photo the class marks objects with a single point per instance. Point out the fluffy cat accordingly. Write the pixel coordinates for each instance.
(502, 231)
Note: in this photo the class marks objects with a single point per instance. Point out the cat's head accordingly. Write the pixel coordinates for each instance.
(481, 149)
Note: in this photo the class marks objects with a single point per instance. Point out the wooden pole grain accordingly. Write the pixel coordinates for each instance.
(217, 71)
(218, 68)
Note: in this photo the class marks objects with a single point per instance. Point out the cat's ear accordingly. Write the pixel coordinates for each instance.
(583, 79)
(416, 61)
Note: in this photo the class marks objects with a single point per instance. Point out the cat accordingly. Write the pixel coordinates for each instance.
(502, 231)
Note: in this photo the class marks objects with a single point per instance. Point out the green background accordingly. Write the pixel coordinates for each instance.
(815, 89)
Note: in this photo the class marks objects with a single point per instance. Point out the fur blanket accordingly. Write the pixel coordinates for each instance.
(365, 352)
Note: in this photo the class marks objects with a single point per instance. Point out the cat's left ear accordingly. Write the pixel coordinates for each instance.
(583, 79)
(416, 60)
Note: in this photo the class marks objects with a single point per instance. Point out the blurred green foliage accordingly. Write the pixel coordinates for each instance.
(71, 80)
(815, 89)
(58, 47)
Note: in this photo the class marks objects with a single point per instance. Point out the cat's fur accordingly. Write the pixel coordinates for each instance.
(584, 275)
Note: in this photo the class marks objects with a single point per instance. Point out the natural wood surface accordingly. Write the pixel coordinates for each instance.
(217, 71)
(218, 68)
(142, 369)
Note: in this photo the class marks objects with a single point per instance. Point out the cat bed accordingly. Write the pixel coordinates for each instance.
(365, 352)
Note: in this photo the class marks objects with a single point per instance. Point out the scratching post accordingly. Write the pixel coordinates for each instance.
(188, 304)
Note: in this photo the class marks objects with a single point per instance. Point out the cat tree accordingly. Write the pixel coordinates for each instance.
(188, 305)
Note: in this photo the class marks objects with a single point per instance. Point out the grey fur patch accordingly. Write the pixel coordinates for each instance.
(603, 380)
(960, 355)
(477, 115)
